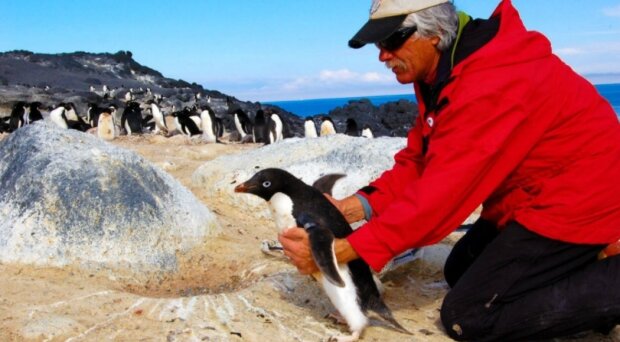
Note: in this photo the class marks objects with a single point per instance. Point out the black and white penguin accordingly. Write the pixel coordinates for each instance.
(106, 129)
(276, 128)
(58, 117)
(242, 123)
(34, 113)
(158, 117)
(259, 129)
(310, 128)
(184, 122)
(209, 125)
(327, 126)
(92, 114)
(116, 117)
(350, 287)
(131, 118)
(74, 121)
(129, 95)
(352, 128)
(17, 116)
(367, 132)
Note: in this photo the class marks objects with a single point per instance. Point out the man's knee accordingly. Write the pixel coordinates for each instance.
(464, 322)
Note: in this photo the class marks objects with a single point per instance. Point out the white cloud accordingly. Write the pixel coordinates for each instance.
(348, 76)
(596, 57)
(342, 75)
(324, 84)
(612, 11)
(571, 51)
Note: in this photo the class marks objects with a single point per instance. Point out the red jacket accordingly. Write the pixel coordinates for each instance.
(522, 134)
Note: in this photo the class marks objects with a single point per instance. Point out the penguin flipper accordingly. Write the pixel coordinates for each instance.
(326, 183)
(322, 246)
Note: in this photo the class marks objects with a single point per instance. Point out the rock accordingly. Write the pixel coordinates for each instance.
(390, 119)
(361, 159)
(70, 199)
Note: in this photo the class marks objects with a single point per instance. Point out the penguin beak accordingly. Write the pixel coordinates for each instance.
(243, 187)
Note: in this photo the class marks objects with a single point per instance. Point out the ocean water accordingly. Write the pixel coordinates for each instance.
(305, 108)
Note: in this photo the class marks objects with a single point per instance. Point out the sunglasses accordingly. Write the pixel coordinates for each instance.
(397, 39)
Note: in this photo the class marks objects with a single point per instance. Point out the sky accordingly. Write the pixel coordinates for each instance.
(281, 49)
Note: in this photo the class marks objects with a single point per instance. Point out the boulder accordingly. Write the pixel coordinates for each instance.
(361, 159)
(70, 199)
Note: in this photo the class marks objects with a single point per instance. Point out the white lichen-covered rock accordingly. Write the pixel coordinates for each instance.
(70, 199)
(361, 159)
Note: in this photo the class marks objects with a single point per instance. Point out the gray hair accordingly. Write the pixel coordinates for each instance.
(441, 21)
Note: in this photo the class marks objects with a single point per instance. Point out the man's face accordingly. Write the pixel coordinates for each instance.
(415, 61)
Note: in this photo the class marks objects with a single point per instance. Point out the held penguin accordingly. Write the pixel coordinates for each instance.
(294, 203)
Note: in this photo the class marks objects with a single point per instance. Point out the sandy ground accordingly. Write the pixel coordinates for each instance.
(244, 296)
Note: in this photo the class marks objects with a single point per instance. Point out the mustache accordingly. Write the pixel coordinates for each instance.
(396, 63)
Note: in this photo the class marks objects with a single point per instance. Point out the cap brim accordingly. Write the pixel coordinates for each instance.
(375, 30)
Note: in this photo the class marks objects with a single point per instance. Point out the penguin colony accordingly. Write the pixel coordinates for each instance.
(147, 116)
(350, 287)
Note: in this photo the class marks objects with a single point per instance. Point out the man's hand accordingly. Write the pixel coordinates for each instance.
(350, 207)
(297, 248)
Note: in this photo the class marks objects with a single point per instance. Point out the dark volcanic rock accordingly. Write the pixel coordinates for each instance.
(68, 77)
(390, 119)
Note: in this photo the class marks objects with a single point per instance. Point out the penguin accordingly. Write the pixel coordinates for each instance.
(26, 114)
(327, 126)
(92, 114)
(209, 125)
(276, 128)
(35, 113)
(106, 129)
(195, 116)
(17, 116)
(160, 120)
(131, 119)
(57, 115)
(259, 127)
(351, 128)
(129, 95)
(116, 118)
(74, 121)
(184, 122)
(243, 125)
(367, 132)
(350, 287)
(310, 128)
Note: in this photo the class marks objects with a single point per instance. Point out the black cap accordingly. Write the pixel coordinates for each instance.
(376, 30)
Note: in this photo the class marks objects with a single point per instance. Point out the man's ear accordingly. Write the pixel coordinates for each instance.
(435, 41)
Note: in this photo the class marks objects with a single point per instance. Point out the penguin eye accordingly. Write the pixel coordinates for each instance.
(266, 184)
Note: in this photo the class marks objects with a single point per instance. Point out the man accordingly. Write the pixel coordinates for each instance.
(506, 124)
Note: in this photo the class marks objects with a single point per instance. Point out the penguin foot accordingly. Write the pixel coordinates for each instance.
(345, 338)
(272, 248)
(337, 317)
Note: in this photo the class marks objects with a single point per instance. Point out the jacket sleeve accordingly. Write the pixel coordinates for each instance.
(407, 166)
(477, 140)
